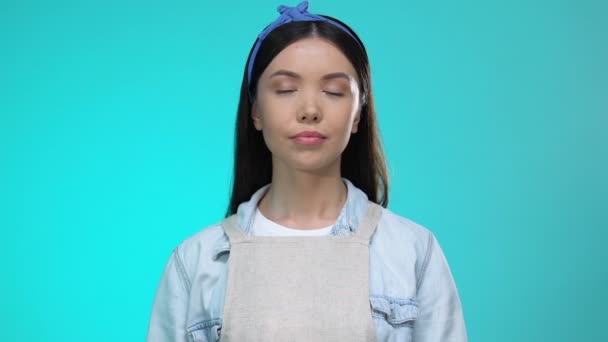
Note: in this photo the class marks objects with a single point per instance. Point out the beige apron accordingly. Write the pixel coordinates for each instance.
(310, 288)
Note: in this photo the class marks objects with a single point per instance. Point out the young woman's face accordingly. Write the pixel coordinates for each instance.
(307, 106)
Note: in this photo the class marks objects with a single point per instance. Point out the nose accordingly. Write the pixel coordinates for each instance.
(309, 110)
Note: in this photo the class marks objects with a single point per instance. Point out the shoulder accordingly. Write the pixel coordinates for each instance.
(203, 238)
(402, 242)
(200, 250)
(403, 230)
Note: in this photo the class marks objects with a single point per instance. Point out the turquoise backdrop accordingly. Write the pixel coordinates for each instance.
(116, 136)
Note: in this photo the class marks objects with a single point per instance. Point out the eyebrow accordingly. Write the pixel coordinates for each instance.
(327, 77)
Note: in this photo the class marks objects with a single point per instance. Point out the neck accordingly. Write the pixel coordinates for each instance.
(304, 200)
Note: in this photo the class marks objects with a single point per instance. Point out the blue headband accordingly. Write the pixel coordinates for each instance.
(288, 14)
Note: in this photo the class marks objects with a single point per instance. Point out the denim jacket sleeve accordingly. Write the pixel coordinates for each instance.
(440, 316)
(168, 317)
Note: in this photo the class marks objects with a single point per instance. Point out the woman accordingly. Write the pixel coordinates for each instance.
(308, 250)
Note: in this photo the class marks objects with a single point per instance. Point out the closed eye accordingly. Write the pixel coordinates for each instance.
(331, 93)
(285, 91)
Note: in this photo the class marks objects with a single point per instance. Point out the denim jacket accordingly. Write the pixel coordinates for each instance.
(412, 293)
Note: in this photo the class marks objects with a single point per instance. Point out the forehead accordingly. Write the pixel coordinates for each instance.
(311, 57)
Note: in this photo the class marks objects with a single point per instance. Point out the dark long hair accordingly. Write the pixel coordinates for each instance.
(362, 161)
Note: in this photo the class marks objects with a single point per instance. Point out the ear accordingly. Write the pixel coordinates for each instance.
(355, 127)
(255, 116)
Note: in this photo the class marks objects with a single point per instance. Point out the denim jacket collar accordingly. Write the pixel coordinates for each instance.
(346, 224)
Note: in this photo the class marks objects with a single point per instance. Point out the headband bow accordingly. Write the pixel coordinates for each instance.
(288, 14)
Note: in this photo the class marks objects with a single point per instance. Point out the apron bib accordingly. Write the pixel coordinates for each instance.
(311, 288)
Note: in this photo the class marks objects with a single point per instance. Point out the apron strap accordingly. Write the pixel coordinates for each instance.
(231, 228)
(368, 224)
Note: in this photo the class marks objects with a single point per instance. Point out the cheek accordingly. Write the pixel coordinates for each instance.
(275, 122)
(269, 114)
(342, 113)
(274, 128)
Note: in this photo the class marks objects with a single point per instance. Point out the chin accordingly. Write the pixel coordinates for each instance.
(315, 165)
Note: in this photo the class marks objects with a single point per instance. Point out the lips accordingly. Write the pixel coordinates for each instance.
(309, 134)
(308, 138)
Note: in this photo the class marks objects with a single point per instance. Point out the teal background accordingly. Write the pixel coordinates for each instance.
(116, 133)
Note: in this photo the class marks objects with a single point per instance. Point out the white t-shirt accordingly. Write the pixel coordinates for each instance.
(265, 227)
